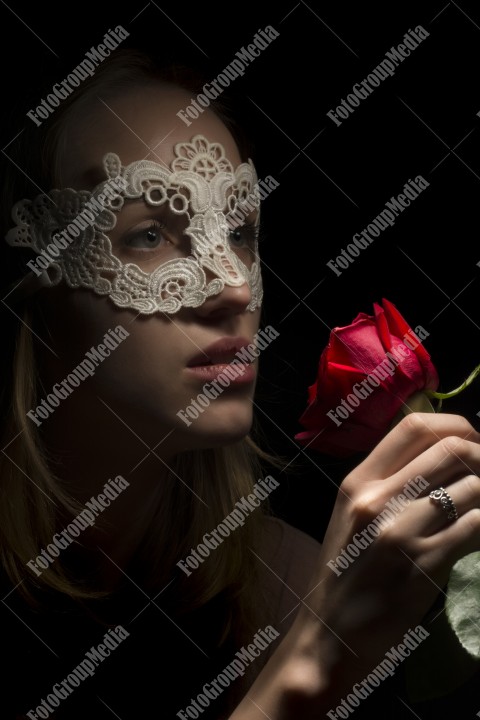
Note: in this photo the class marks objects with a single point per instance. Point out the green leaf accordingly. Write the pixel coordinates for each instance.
(463, 602)
(440, 664)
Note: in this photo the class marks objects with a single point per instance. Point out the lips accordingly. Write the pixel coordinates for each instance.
(221, 352)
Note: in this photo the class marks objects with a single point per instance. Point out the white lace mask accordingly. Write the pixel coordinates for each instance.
(200, 188)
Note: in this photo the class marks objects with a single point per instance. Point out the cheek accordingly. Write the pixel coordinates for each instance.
(75, 322)
(130, 377)
(147, 357)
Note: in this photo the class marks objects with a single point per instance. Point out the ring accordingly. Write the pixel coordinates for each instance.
(441, 497)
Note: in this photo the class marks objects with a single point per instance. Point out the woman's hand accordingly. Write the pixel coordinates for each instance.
(353, 615)
(368, 606)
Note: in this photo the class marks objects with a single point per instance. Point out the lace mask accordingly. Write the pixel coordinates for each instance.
(200, 190)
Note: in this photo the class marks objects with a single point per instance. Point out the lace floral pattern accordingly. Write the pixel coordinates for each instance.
(200, 184)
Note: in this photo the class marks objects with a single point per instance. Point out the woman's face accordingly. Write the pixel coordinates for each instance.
(153, 375)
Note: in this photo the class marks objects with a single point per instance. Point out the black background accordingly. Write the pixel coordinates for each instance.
(333, 180)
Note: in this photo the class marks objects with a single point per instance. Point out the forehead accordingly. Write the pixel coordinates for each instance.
(140, 124)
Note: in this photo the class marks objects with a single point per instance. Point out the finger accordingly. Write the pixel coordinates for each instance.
(444, 463)
(465, 496)
(439, 552)
(412, 436)
(455, 541)
(425, 517)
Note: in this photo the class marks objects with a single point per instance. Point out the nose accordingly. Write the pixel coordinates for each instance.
(232, 300)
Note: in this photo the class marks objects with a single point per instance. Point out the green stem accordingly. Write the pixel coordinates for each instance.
(452, 393)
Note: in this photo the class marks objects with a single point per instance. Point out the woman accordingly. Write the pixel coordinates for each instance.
(134, 295)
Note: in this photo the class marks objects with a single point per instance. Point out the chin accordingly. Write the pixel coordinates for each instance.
(218, 427)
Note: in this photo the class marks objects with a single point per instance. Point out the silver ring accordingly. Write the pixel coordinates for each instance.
(441, 497)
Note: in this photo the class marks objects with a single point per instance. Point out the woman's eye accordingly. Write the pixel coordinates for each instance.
(148, 237)
(243, 236)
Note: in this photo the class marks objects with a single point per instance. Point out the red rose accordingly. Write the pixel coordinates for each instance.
(365, 374)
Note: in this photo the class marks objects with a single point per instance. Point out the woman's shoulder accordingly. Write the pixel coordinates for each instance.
(289, 560)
